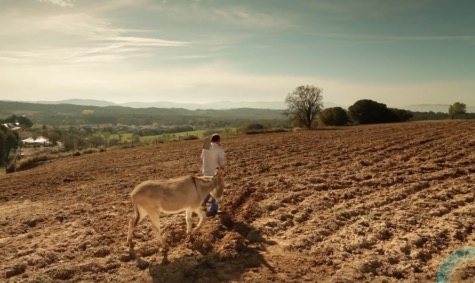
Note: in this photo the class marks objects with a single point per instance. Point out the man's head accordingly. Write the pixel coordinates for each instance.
(215, 138)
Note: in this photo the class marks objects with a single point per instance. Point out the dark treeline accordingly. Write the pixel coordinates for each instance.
(420, 116)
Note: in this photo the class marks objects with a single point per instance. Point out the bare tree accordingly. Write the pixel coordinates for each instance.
(304, 104)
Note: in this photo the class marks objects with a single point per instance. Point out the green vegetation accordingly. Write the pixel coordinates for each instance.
(8, 143)
(173, 136)
(367, 111)
(457, 109)
(9, 137)
(335, 116)
(20, 121)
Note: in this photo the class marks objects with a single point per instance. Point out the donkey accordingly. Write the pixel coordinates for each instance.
(172, 196)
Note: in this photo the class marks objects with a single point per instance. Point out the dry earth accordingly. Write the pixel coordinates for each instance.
(382, 203)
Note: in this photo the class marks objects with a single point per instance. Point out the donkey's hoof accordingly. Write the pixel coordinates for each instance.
(195, 230)
(164, 249)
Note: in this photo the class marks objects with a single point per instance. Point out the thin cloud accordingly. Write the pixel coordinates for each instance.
(206, 84)
(365, 9)
(396, 38)
(10, 59)
(78, 38)
(17, 56)
(240, 16)
(192, 57)
(235, 16)
(82, 25)
(107, 6)
(142, 41)
(62, 3)
(123, 45)
(97, 58)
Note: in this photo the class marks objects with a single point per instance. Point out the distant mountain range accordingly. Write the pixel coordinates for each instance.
(444, 108)
(191, 106)
(233, 105)
(168, 104)
(214, 105)
(66, 113)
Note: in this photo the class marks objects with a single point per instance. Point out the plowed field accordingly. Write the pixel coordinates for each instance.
(380, 203)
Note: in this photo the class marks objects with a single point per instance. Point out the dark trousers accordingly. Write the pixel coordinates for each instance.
(214, 204)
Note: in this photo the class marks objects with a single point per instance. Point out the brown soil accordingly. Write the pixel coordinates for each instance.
(380, 203)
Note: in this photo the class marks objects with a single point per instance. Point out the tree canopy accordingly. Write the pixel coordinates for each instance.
(367, 111)
(9, 142)
(20, 120)
(335, 116)
(457, 108)
(304, 104)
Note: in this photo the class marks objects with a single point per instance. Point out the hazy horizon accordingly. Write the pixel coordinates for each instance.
(200, 51)
(223, 105)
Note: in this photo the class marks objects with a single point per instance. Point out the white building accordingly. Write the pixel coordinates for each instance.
(36, 142)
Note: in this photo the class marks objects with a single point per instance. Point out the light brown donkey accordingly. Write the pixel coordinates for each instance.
(172, 196)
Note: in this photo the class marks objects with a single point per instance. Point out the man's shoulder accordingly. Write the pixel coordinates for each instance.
(216, 146)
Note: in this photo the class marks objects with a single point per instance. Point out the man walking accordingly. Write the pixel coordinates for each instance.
(212, 157)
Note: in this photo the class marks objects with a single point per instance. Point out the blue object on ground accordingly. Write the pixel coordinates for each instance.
(214, 207)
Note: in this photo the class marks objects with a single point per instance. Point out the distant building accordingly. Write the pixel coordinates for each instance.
(39, 141)
(12, 126)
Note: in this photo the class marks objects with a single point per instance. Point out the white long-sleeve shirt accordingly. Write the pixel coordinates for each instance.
(212, 158)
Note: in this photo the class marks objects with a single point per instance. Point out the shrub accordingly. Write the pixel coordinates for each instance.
(33, 161)
(335, 116)
(90, 150)
(254, 126)
(367, 111)
(267, 131)
(190, 137)
(10, 168)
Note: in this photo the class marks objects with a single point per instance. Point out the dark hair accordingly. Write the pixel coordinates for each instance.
(215, 138)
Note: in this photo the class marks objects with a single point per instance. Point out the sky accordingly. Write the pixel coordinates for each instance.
(402, 52)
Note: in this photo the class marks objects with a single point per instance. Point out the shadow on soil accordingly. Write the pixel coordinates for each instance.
(224, 258)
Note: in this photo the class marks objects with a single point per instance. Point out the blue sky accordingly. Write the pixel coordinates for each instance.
(399, 53)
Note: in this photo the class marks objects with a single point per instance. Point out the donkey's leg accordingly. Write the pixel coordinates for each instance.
(188, 215)
(155, 217)
(202, 217)
(132, 224)
(130, 234)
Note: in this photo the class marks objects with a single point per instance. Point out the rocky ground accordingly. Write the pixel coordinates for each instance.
(380, 203)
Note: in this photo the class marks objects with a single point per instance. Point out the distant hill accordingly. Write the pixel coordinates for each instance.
(84, 102)
(444, 108)
(225, 105)
(217, 105)
(168, 104)
(214, 105)
(221, 105)
(72, 114)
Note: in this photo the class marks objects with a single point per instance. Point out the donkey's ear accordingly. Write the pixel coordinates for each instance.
(217, 171)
